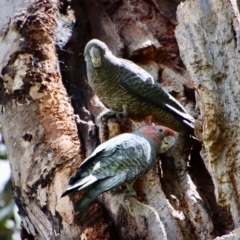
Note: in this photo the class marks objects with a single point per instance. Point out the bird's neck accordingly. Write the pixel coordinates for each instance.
(154, 144)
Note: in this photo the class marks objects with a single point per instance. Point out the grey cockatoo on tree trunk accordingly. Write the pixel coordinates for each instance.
(119, 160)
(125, 87)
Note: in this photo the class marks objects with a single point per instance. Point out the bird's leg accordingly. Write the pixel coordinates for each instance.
(129, 191)
(112, 113)
(108, 114)
(149, 121)
(121, 115)
(116, 191)
(77, 119)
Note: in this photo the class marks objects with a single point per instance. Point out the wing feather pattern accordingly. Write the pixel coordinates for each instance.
(140, 83)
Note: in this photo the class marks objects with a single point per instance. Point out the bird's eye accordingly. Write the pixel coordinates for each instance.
(160, 130)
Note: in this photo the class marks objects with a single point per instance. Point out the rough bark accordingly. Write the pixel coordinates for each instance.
(39, 128)
(43, 83)
(209, 46)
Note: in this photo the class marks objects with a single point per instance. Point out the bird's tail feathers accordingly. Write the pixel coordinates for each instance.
(188, 119)
(98, 188)
(190, 124)
(81, 184)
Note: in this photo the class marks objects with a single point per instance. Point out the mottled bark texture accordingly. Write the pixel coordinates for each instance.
(43, 83)
(209, 46)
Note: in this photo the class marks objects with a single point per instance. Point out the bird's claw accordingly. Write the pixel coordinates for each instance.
(129, 191)
(120, 116)
(114, 113)
(77, 119)
(116, 191)
(128, 194)
(108, 114)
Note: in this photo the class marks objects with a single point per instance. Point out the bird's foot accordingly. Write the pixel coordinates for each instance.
(77, 119)
(129, 191)
(148, 120)
(114, 113)
(129, 194)
(108, 114)
(116, 191)
(120, 116)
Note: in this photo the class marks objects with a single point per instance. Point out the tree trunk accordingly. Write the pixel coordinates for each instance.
(193, 193)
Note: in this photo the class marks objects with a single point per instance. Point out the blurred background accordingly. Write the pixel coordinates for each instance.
(9, 219)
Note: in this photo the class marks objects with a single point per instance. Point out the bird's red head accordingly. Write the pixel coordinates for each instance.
(157, 133)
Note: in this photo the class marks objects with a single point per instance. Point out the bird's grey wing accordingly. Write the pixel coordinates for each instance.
(106, 149)
(85, 168)
(120, 167)
(139, 82)
(130, 157)
(134, 152)
(98, 188)
(103, 152)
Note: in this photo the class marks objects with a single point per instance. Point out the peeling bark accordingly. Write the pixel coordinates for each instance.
(212, 40)
(193, 193)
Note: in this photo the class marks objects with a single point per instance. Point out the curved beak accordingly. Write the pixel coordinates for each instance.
(167, 142)
(95, 57)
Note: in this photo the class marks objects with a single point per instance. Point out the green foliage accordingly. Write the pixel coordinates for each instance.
(3, 154)
(9, 219)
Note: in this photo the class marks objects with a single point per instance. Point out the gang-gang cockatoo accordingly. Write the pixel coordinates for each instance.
(126, 88)
(119, 160)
